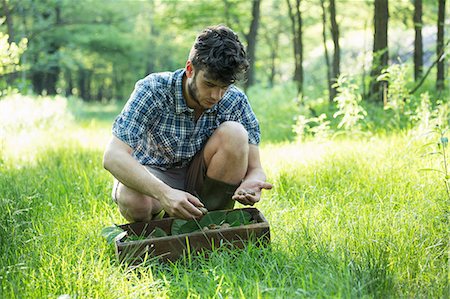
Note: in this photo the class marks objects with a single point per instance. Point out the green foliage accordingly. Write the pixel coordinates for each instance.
(316, 127)
(10, 54)
(211, 219)
(9, 59)
(112, 233)
(349, 114)
(276, 109)
(348, 103)
(440, 148)
(179, 226)
(398, 98)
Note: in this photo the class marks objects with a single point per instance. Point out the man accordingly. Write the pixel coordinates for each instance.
(188, 139)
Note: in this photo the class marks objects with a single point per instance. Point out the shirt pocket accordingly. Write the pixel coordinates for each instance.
(166, 145)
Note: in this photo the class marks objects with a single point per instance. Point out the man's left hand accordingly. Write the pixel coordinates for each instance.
(249, 192)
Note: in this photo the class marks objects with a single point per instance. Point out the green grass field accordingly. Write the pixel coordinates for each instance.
(349, 218)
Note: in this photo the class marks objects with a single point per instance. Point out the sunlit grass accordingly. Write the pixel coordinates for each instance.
(349, 218)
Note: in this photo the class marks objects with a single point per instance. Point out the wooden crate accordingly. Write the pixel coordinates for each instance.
(173, 247)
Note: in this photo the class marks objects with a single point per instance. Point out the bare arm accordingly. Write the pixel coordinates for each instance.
(249, 192)
(118, 160)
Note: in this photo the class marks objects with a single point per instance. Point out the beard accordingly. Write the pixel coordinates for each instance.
(193, 90)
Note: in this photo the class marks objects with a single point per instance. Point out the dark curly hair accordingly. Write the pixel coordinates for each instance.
(219, 52)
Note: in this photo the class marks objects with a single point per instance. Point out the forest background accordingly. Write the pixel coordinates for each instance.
(353, 103)
(97, 50)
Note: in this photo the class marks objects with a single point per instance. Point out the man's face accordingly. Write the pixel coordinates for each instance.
(204, 91)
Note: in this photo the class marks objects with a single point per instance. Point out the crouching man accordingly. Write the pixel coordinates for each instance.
(189, 138)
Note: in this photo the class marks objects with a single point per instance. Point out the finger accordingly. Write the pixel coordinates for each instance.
(240, 192)
(243, 200)
(266, 186)
(238, 197)
(252, 198)
(192, 209)
(249, 191)
(194, 200)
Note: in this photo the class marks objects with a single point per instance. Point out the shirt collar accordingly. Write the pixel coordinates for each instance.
(180, 102)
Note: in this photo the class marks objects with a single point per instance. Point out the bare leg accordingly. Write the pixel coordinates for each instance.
(135, 206)
(226, 153)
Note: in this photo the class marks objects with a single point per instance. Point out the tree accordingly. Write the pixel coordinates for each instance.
(272, 28)
(9, 56)
(418, 44)
(327, 58)
(337, 52)
(251, 42)
(440, 46)
(296, 26)
(9, 21)
(333, 71)
(378, 89)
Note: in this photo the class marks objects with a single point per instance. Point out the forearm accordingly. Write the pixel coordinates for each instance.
(132, 174)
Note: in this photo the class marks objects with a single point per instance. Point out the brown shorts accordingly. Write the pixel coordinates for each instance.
(189, 178)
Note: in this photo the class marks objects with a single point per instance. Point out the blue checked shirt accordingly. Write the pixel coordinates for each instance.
(158, 125)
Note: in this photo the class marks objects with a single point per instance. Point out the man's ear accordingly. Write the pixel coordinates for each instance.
(189, 69)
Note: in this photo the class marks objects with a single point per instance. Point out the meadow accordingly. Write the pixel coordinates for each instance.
(350, 217)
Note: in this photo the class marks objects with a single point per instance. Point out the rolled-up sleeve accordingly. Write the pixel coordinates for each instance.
(250, 123)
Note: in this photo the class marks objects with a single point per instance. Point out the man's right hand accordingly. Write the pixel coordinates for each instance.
(180, 204)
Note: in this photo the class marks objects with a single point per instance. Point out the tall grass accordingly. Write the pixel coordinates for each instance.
(349, 218)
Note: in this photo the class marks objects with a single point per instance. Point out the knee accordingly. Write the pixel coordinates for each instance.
(133, 206)
(233, 136)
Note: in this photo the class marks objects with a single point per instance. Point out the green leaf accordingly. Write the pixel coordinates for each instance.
(112, 232)
(239, 217)
(132, 238)
(189, 227)
(158, 233)
(214, 217)
(176, 225)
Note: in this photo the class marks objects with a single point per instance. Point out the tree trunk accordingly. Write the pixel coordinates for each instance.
(378, 90)
(251, 42)
(54, 70)
(418, 44)
(100, 92)
(37, 80)
(46, 79)
(69, 83)
(84, 84)
(440, 47)
(337, 51)
(327, 58)
(272, 38)
(51, 76)
(296, 22)
(9, 21)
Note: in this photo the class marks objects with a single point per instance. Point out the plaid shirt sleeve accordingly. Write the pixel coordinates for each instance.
(251, 124)
(236, 107)
(133, 121)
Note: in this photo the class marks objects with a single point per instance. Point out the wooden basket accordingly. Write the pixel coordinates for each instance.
(173, 247)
